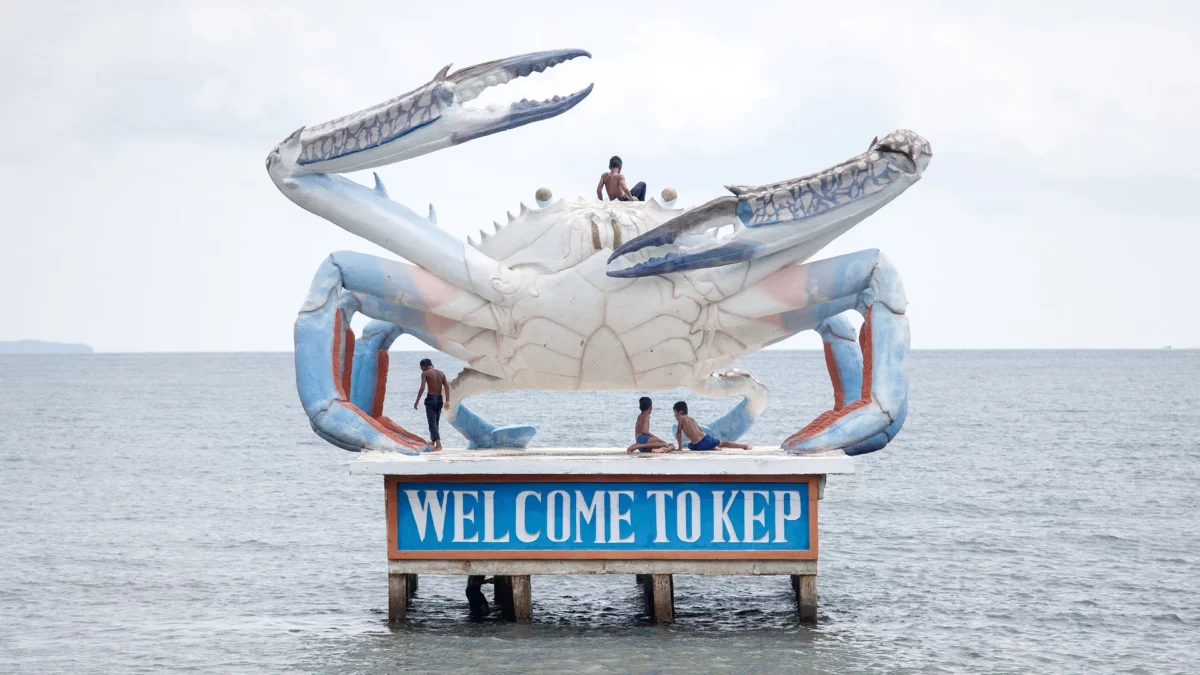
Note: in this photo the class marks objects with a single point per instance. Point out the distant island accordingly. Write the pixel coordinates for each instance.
(40, 347)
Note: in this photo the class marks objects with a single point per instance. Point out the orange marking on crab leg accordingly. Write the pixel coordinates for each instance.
(827, 418)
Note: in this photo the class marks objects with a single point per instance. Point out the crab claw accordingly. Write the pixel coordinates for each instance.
(429, 118)
(770, 218)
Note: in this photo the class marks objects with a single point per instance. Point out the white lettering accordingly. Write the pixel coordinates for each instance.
(618, 516)
(589, 512)
(750, 517)
(552, 510)
(489, 519)
(688, 501)
(523, 534)
(461, 515)
(721, 520)
(792, 513)
(660, 513)
(424, 507)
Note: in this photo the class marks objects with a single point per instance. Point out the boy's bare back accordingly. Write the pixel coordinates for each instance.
(690, 429)
(435, 381)
(643, 424)
(614, 185)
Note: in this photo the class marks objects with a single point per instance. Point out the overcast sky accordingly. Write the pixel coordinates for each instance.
(1058, 210)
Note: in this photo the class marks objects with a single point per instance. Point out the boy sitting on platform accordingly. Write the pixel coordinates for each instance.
(699, 439)
(644, 440)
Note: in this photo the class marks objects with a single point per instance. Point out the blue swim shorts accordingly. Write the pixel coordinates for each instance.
(644, 438)
(706, 443)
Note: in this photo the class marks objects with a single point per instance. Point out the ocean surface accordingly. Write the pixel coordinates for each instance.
(1038, 514)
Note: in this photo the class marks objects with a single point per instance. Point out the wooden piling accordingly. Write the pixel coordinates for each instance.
(398, 594)
(658, 590)
(504, 595)
(522, 598)
(806, 596)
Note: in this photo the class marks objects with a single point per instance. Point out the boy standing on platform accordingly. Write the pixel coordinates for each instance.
(644, 440)
(435, 380)
(699, 440)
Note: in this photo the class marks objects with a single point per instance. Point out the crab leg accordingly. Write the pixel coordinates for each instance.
(341, 380)
(479, 432)
(737, 420)
(813, 296)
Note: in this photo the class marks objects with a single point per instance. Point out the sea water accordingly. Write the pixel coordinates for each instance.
(175, 512)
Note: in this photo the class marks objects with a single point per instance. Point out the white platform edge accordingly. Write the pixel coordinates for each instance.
(599, 461)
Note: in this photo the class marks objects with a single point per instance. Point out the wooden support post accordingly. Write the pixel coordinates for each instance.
(664, 598)
(659, 593)
(504, 596)
(522, 598)
(397, 597)
(806, 596)
(412, 584)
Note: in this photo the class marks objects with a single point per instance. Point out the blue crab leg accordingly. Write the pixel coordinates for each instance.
(872, 378)
(346, 412)
(844, 359)
(479, 432)
(736, 421)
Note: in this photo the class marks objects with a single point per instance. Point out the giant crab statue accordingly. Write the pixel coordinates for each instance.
(587, 294)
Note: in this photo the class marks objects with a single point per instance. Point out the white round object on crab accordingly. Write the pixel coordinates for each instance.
(543, 196)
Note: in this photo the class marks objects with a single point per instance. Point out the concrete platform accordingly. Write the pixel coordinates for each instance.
(601, 461)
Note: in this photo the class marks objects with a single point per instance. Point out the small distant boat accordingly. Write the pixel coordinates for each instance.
(1167, 347)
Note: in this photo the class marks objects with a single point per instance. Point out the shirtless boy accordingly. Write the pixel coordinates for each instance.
(435, 380)
(644, 440)
(699, 439)
(613, 181)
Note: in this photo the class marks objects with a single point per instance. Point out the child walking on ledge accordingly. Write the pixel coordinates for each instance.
(699, 440)
(644, 440)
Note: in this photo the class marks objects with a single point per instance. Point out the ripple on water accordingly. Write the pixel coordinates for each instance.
(1006, 530)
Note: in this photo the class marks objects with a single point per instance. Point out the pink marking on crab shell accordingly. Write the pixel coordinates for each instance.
(434, 290)
(439, 325)
(785, 285)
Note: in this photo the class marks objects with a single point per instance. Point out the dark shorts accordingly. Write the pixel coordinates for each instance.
(433, 414)
(706, 443)
(644, 438)
(638, 192)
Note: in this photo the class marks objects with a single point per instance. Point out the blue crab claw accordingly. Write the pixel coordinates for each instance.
(676, 232)
(800, 213)
(428, 118)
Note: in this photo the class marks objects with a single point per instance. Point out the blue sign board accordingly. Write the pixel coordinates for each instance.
(672, 518)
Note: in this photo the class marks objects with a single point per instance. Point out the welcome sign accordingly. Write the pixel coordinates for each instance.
(601, 517)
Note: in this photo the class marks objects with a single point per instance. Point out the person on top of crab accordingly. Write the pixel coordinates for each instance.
(613, 182)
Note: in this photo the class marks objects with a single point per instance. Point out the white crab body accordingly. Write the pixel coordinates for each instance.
(577, 327)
